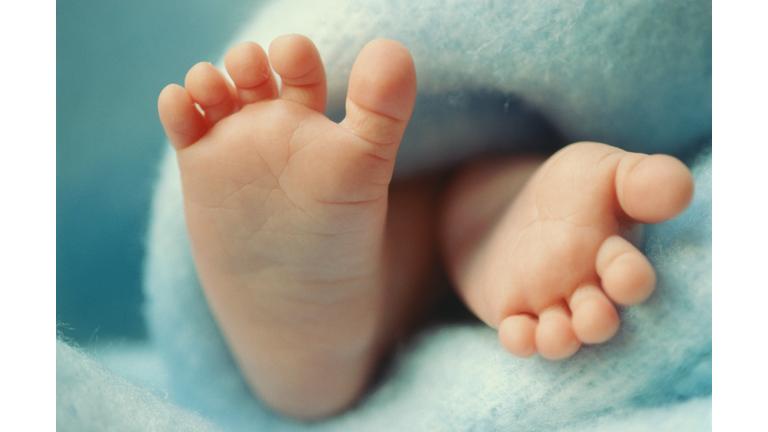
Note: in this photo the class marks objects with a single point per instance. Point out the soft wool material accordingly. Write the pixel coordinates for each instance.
(458, 377)
(493, 76)
(513, 74)
(91, 398)
(655, 375)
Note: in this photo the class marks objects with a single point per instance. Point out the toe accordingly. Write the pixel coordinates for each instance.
(181, 120)
(296, 59)
(517, 334)
(653, 189)
(211, 91)
(626, 275)
(594, 316)
(555, 338)
(248, 66)
(382, 92)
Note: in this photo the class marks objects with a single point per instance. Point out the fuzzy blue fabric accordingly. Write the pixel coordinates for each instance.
(656, 374)
(503, 75)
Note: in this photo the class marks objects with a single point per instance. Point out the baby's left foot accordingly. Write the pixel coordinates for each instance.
(548, 273)
(287, 214)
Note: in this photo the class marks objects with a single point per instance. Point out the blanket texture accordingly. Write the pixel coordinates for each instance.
(655, 375)
(494, 76)
(521, 74)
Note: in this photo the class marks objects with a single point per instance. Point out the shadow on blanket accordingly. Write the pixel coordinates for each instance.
(636, 74)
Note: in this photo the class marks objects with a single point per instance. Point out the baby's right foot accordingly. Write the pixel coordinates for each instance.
(286, 209)
(547, 264)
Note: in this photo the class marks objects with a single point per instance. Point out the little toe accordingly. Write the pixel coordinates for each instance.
(626, 275)
(594, 316)
(296, 59)
(555, 338)
(382, 92)
(183, 123)
(210, 90)
(517, 334)
(652, 189)
(248, 66)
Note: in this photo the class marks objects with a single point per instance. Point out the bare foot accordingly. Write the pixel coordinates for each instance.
(551, 266)
(286, 212)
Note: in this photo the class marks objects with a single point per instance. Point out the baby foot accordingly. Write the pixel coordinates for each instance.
(551, 271)
(286, 209)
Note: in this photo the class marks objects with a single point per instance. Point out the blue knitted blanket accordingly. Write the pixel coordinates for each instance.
(494, 76)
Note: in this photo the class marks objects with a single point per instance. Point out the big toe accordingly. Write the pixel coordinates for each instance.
(381, 95)
(654, 188)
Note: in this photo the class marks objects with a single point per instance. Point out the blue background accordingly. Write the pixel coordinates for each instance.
(113, 58)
